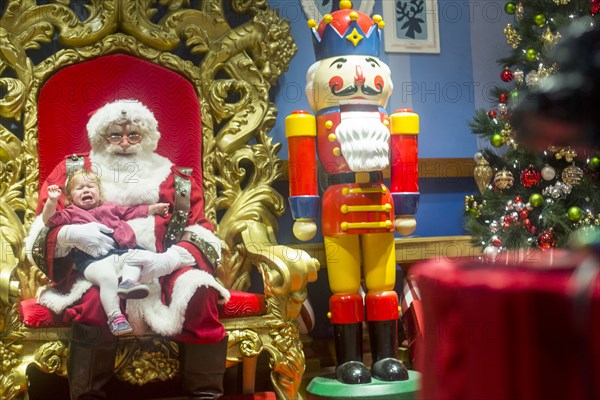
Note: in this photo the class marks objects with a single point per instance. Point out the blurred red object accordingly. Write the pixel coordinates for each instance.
(512, 329)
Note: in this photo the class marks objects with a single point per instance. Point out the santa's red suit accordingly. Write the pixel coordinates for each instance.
(182, 304)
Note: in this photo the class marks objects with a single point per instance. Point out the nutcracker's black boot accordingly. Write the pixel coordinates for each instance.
(203, 369)
(383, 336)
(348, 349)
(91, 361)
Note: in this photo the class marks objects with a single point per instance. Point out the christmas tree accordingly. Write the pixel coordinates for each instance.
(528, 198)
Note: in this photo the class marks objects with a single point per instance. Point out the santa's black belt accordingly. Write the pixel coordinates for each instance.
(350, 177)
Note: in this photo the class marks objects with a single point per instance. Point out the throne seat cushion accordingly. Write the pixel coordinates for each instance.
(241, 304)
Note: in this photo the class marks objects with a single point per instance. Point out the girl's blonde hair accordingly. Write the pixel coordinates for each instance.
(75, 177)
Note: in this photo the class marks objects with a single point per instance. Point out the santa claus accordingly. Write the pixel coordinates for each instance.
(183, 299)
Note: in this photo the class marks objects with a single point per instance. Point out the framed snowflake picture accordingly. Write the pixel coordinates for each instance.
(411, 26)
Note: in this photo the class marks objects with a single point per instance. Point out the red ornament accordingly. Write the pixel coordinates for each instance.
(524, 214)
(503, 97)
(595, 7)
(547, 240)
(492, 114)
(518, 199)
(530, 177)
(506, 75)
(496, 241)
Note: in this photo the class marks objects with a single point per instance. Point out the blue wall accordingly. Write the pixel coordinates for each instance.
(444, 89)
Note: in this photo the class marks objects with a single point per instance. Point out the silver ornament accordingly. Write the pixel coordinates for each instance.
(548, 173)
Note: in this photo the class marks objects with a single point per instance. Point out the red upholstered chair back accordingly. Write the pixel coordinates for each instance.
(69, 98)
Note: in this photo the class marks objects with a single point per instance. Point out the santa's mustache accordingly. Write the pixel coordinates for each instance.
(352, 89)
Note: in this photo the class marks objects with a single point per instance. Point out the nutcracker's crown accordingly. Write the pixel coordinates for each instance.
(346, 32)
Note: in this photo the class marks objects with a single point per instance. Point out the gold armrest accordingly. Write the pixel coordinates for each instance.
(286, 271)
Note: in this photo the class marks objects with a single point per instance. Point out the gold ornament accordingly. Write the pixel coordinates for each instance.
(550, 38)
(572, 175)
(544, 72)
(508, 136)
(519, 12)
(563, 152)
(482, 173)
(504, 179)
(512, 37)
(473, 207)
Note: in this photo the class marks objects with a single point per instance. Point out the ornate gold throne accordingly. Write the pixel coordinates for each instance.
(231, 54)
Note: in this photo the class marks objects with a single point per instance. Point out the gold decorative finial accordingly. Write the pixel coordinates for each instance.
(377, 18)
(345, 5)
(381, 24)
(353, 15)
(327, 18)
(312, 23)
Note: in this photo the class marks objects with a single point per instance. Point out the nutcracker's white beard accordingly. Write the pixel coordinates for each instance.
(364, 140)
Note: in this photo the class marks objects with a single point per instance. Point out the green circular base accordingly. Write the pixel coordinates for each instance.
(327, 387)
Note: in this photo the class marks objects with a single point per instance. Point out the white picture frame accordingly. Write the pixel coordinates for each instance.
(316, 11)
(416, 33)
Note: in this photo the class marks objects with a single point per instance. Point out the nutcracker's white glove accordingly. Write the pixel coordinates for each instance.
(155, 265)
(90, 238)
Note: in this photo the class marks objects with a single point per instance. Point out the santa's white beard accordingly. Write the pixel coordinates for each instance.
(364, 141)
(133, 180)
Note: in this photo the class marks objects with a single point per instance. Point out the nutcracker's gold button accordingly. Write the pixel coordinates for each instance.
(328, 124)
(337, 151)
(332, 137)
(386, 122)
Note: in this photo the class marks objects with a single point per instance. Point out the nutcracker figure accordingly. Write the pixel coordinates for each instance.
(348, 87)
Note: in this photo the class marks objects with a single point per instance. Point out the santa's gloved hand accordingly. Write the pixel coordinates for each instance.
(90, 238)
(155, 265)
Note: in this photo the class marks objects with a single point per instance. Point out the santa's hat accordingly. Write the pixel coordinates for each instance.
(119, 111)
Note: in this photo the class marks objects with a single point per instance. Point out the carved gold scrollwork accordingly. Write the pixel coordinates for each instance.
(248, 341)
(13, 378)
(287, 359)
(51, 357)
(232, 69)
(140, 362)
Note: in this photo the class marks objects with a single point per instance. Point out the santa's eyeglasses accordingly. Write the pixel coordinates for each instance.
(132, 137)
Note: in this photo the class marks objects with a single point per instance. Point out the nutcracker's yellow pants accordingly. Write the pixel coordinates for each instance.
(345, 253)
